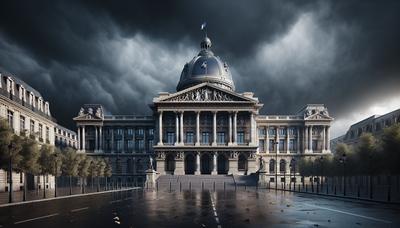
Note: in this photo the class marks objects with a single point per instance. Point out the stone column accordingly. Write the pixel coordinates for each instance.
(328, 146)
(112, 140)
(197, 172)
(214, 171)
(235, 128)
(230, 129)
(310, 138)
(277, 140)
(100, 138)
(252, 129)
(160, 129)
(298, 140)
(123, 139)
(305, 133)
(323, 138)
(95, 138)
(287, 140)
(83, 138)
(214, 143)
(176, 128)
(181, 133)
(79, 138)
(198, 129)
(266, 140)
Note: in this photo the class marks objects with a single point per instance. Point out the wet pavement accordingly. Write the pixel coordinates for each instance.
(242, 208)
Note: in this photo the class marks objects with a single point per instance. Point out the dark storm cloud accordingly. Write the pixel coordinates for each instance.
(121, 54)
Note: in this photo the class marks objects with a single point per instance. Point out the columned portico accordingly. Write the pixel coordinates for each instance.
(235, 128)
(198, 129)
(160, 128)
(214, 171)
(214, 143)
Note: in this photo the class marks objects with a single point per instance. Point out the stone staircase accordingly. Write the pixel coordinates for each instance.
(203, 182)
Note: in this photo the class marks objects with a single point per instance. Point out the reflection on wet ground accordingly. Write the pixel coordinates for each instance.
(242, 208)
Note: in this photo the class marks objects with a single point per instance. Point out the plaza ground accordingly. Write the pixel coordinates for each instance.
(197, 208)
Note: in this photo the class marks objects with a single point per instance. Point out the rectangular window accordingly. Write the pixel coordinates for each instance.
(119, 145)
(130, 131)
(151, 131)
(140, 132)
(48, 134)
(10, 116)
(108, 145)
(281, 145)
(120, 131)
(271, 131)
(292, 131)
(292, 145)
(141, 144)
(151, 143)
(315, 144)
(271, 145)
(22, 123)
(261, 144)
(32, 127)
(261, 132)
(170, 137)
(221, 137)
(240, 137)
(189, 137)
(40, 132)
(282, 131)
(205, 137)
(130, 144)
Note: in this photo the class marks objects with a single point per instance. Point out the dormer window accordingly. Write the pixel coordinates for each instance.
(32, 99)
(10, 86)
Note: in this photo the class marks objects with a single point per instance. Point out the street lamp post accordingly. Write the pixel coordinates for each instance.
(321, 159)
(55, 173)
(276, 165)
(10, 195)
(290, 176)
(343, 161)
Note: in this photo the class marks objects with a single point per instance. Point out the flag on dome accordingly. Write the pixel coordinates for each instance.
(203, 26)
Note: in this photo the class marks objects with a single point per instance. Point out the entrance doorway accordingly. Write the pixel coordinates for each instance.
(189, 164)
(206, 163)
(222, 164)
(170, 164)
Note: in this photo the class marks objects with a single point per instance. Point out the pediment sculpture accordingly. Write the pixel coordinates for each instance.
(204, 94)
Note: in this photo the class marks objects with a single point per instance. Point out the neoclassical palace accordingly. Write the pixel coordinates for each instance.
(205, 127)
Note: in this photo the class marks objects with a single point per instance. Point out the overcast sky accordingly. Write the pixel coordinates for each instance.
(344, 54)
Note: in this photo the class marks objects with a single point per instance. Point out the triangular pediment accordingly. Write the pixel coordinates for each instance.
(205, 93)
(318, 116)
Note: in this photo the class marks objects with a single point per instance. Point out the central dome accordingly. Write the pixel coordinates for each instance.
(205, 67)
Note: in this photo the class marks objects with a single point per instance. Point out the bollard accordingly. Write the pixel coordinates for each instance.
(335, 190)
(170, 186)
(306, 188)
(190, 186)
(157, 185)
(214, 186)
(180, 186)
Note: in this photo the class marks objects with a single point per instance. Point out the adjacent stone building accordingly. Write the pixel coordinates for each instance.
(204, 128)
(27, 114)
(374, 124)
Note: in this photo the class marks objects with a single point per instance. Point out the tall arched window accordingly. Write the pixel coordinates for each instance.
(293, 165)
(129, 166)
(272, 166)
(242, 163)
(282, 166)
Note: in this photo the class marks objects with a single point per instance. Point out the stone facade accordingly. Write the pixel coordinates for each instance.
(374, 124)
(27, 114)
(206, 127)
